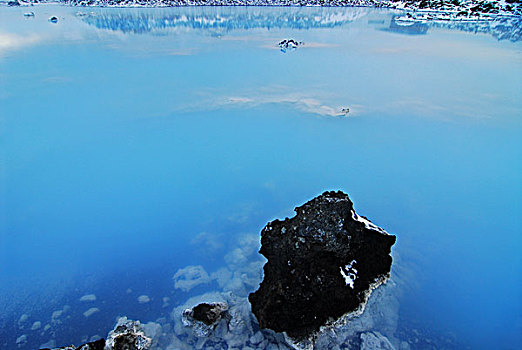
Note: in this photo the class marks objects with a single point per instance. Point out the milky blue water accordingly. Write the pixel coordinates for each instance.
(135, 142)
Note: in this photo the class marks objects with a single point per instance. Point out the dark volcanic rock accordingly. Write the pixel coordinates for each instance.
(322, 264)
(208, 313)
(204, 317)
(289, 44)
(128, 335)
(95, 345)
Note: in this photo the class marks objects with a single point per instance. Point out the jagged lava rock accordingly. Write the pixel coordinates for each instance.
(209, 314)
(128, 335)
(322, 265)
(204, 317)
(96, 345)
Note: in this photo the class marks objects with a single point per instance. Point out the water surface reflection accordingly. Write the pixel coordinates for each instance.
(225, 19)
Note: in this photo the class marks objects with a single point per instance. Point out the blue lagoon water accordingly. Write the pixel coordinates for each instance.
(137, 142)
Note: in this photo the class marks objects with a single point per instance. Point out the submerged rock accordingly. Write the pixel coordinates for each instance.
(95, 345)
(375, 341)
(204, 317)
(21, 340)
(322, 266)
(128, 335)
(190, 277)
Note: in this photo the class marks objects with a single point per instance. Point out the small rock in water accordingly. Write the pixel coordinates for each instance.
(93, 345)
(128, 334)
(204, 317)
(289, 44)
(53, 19)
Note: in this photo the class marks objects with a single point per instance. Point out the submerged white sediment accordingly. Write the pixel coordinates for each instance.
(367, 223)
(91, 311)
(143, 299)
(88, 297)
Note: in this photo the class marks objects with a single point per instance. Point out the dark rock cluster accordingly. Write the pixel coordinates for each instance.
(126, 335)
(96, 345)
(289, 44)
(322, 265)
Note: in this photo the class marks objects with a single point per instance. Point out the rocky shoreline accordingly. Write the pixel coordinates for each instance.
(420, 10)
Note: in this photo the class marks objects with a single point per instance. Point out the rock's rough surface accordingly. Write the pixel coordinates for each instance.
(322, 265)
(289, 44)
(128, 335)
(95, 345)
(204, 317)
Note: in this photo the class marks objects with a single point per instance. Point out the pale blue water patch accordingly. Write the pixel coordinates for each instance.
(132, 148)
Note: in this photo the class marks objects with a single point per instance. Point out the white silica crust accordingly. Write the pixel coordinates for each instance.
(367, 223)
(349, 273)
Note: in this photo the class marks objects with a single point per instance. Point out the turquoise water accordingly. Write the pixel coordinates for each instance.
(135, 142)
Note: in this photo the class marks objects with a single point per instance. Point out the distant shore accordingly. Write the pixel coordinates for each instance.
(415, 10)
(502, 19)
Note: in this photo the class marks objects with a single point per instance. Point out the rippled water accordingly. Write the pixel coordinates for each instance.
(136, 142)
